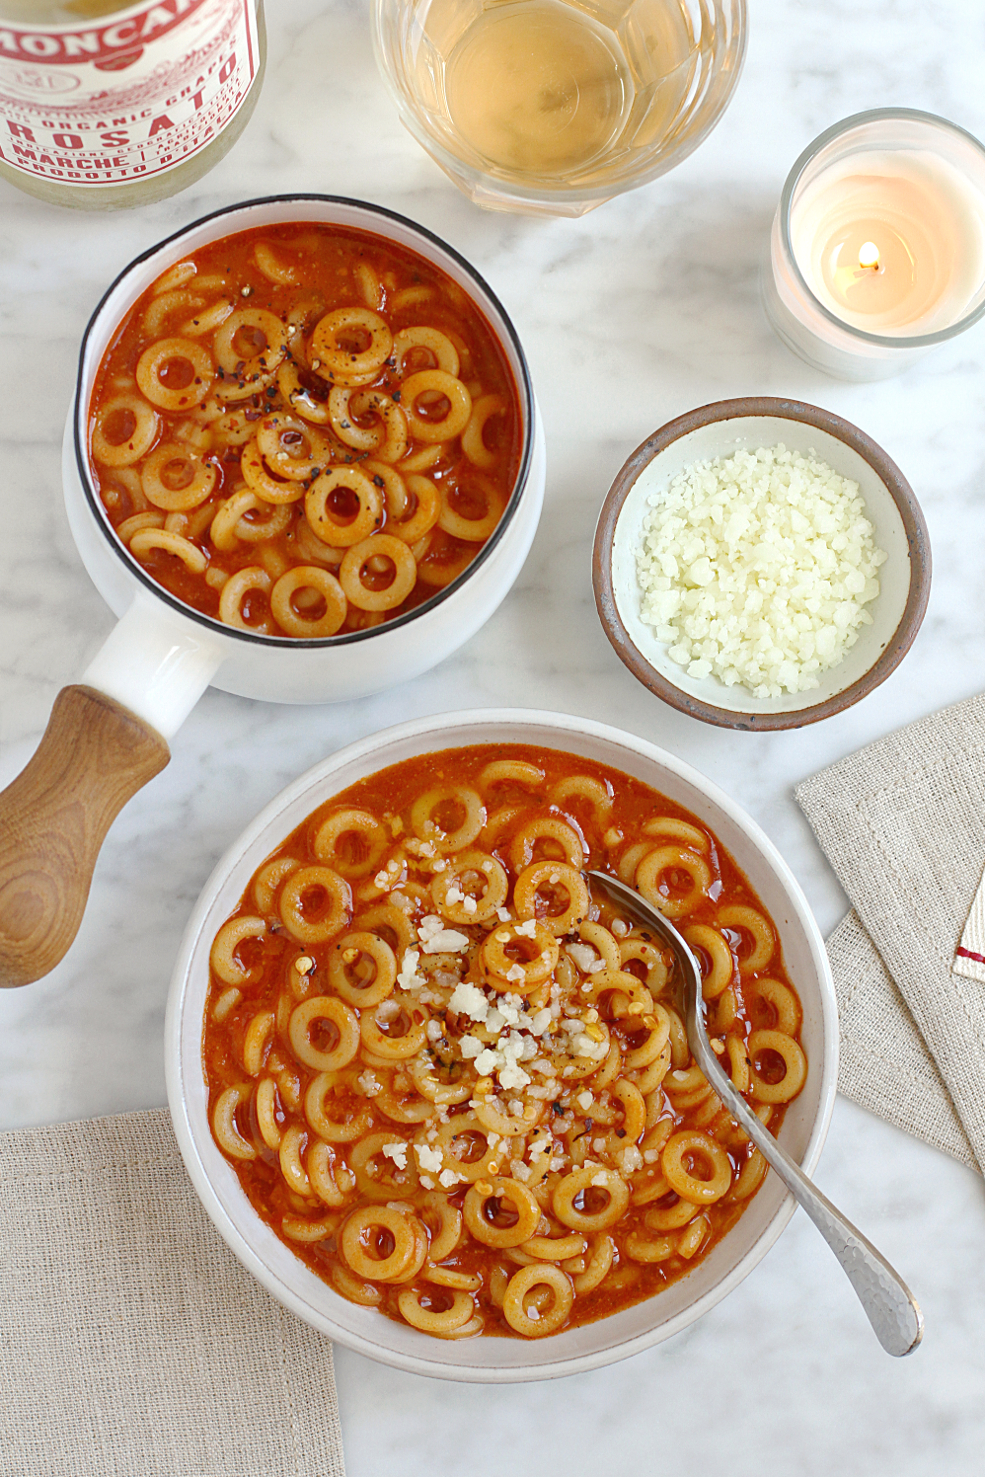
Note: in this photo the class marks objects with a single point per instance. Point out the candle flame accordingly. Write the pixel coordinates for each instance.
(868, 255)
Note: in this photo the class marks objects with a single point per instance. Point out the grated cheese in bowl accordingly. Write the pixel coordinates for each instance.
(756, 568)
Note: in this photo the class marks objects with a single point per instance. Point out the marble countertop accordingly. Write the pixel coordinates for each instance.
(639, 311)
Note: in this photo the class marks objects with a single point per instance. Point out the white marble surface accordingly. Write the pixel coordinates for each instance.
(641, 310)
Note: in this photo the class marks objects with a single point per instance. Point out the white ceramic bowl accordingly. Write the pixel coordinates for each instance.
(499, 1360)
(164, 653)
(717, 431)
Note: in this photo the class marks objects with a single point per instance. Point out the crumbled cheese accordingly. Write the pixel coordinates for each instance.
(469, 904)
(468, 999)
(584, 1101)
(368, 1084)
(583, 955)
(526, 930)
(630, 1159)
(504, 915)
(448, 1177)
(470, 1046)
(437, 939)
(434, 1031)
(428, 1158)
(516, 974)
(601, 1179)
(620, 927)
(409, 978)
(540, 1022)
(398, 1153)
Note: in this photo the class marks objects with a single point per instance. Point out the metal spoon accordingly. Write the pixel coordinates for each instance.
(889, 1305)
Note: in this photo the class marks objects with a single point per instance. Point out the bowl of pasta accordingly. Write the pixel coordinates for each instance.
(438, 1098)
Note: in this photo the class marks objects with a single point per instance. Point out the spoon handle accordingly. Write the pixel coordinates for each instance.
(889, 1305)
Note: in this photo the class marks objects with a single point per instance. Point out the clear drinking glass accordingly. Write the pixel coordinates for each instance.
(550, 107)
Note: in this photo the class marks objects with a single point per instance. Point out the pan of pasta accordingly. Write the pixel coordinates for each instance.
(439, 1098)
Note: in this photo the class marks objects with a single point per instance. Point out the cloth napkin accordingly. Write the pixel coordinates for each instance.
(903, 824)
(132, 1342)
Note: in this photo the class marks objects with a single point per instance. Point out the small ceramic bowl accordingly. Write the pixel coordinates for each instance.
(500, 1360)
(719, 430)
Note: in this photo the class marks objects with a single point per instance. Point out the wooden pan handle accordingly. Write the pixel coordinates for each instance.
(95, 754)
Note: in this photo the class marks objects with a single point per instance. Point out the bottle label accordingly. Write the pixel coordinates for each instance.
(132, 96)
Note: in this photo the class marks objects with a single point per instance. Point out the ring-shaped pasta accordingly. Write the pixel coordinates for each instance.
(345, 1021)
(552, 874)
(473, 437)
(618, 982)
(403, 1107)
(441, 1322)
(365, 827)
(360, 438)
(354, 565)
(445, 565)
(628, 1095)
(389, 922)
(466, 1126)
(658, 971)
(444, 1222)
(647, 1051)
(602, 941)
(630, 860)
(259, 477)
(308, 577)
(165, 305)
(230, 524)
(393, 1048)
(708, 940)
(495, 887)
(471, 530)
(331, 920)
(276, 432)
(590, 1178)
(302, 400)
(393, 487)
(155, 359)
(429, 1085)
(425, 500)
(491, 1116)
(223, 954)
(436, 382)
(227, 1134)
(234, 592)
(271, 265)
(780, 1000)
(511, 772)
(405, 1231)
(151, 519)
(191, 556)
(353, 1289)
(347, 366)
(523, 1204)
(269, 878)
(426, 829)
(332, 530)
(376, 1172)
(333, 1130)
(512, 972)
(750, 1177)
(601, 1259)
(206, 320)
(364, 945)
(256, 1040)
(692, 1144)
(139, 437)
(330, 1177)
(648, 1249)
(391, 442)
(670, 1217)
(676, 830)
(292, 1170)
(663, 859)
(254, 320)
(523, 847)
(197, 488)
(752, 922)
(548, 1320)
(437, 344)
(794, 1061)
(265, 1103)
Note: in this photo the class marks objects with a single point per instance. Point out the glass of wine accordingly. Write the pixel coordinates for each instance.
(553, 106)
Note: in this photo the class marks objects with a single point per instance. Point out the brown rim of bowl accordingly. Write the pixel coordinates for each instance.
(917, 539)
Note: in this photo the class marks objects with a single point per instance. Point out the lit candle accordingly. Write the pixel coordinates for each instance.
(878, 247)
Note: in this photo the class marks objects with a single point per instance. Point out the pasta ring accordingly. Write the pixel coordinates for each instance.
(438, 345)
(270, 444)
(224, 1126)
(519, 974)
(406, 1232)
(265, 360)
(380, 546)
(709, 941)
(191, 556)
(434, 1321)
(763, 939)
(176, 500)
(259, 477)
(393, 1048)
(230, 524)
(677, 830)
(345, 1021)
(662, 859)
(435, 381)
(333, 1130)
(688, 1186)
(394, 1181)
(552, 873)
(426, 511)
(471, 530)
(473, 437)
(351, 821)
(325, 525)
(575, 1184)
(460, 1126)
(391, 439)
(170, 351)
(336, 916)
(233, 593)
(524, 1205)
(346, 366)
(299, 397)
(522, 1283)
(794, 1061)
(474, 863)
(137, 441)
(779, 998)
(308, 577)
(227, 940)
(426, 829)
(546, 828)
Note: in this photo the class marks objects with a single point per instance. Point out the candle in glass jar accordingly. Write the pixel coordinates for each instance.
(878, 246)
(893, 243)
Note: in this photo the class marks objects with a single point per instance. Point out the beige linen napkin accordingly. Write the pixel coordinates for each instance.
(903, 824)
(132, 1342)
